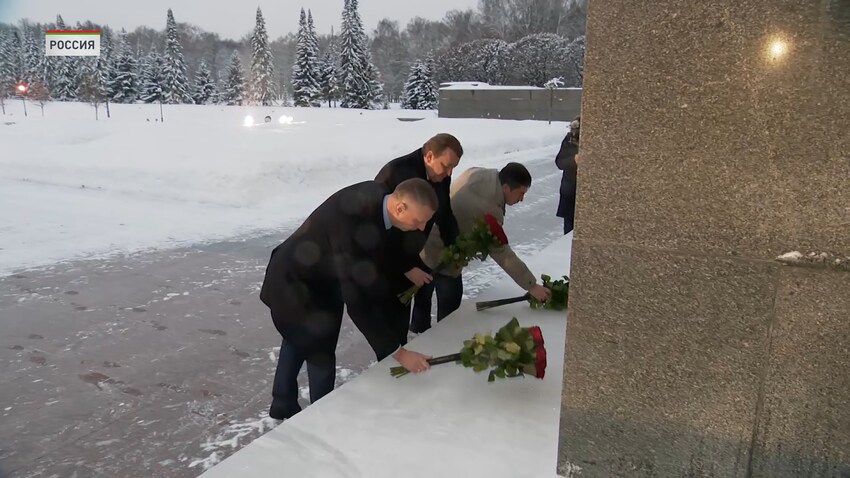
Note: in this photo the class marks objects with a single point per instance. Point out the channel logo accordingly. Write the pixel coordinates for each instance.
(72, 43)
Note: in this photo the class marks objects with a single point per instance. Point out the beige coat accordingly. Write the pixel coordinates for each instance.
(475, 192)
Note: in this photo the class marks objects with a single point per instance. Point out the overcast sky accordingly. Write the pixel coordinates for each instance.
(229, 18)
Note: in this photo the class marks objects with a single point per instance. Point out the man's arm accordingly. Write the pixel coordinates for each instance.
(478, 205)
(514, 266)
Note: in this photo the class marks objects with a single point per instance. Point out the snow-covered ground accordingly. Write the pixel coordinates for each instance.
(72, 187)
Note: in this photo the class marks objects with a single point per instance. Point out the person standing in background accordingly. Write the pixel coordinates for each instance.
(567, 161)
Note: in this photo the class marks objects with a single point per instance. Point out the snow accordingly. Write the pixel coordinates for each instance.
(377, 426)
(816, 259)
(790, 256)
(72, 187)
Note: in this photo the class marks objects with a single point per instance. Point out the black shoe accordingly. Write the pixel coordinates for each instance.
(281, 412)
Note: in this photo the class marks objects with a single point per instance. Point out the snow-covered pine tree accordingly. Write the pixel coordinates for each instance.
(419, 90)
(356, 87)
(175, 83)
(123, 77)
(234, 85)
(305, 78)
(374, 83)
(64, 79)
(152, 78)
(204, 89)
(328, 83)
(7, 68)
(313, 41)
(33, 60)
(107, 44)
(262, 65)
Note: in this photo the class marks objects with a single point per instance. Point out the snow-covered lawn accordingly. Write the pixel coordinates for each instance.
(72, 187)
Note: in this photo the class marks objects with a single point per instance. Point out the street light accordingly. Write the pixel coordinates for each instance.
(22, 90)
(159, 94)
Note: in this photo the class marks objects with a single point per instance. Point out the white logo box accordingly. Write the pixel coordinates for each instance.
(72, 43)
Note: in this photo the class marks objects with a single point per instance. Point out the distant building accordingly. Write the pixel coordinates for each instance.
(475, 99)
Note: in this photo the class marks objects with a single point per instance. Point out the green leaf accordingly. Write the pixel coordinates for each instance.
(491, 377)
(499, 372)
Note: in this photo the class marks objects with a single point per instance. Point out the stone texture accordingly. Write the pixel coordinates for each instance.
(804, 429)
(691, 350)
(694, 138)
(663, 363)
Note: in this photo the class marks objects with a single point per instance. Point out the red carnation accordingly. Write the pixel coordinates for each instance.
(539, 361)
(496, 229)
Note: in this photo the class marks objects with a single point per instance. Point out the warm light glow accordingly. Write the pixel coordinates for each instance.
(777, 48)
(249, 121)
(286, 119)
(22, 88)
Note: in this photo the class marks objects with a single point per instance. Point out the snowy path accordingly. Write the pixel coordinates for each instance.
(159, 364)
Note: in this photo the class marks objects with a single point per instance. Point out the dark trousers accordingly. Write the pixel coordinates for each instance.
(321, 376)
(568, 225)
(449, 296)
(310, 339)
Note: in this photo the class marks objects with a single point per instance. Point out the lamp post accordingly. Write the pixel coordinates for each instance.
(159, 93)
(22, 90)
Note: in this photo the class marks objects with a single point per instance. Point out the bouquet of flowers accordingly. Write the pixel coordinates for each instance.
(557, 299)
(514, 351)
(486, 235)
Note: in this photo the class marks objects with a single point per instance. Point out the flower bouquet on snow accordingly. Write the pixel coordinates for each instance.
(557, 299)
(486, 235)
(513, 352)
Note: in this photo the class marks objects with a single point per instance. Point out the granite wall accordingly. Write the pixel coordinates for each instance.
(714, 140)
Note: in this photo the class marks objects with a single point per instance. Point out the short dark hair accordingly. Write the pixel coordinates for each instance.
(417, 190)
(439, 142)
(515, 175)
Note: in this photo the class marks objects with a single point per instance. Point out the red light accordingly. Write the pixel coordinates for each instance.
(22, 88)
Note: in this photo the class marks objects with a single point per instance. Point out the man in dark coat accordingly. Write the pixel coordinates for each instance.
(567, 161)
(341, 256)
(434, 161)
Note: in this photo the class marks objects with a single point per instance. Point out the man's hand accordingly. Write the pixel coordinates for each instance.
(540, 293)
(412, 361)
(418, 276)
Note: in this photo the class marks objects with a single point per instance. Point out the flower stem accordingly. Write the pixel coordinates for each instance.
(400, 371)
(489, 304)
(444, 359)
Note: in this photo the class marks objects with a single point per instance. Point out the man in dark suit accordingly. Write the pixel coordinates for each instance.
(434, 162)
(341, 255)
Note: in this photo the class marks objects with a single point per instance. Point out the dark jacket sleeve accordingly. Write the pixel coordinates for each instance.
(363, 300)
(565, 160)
